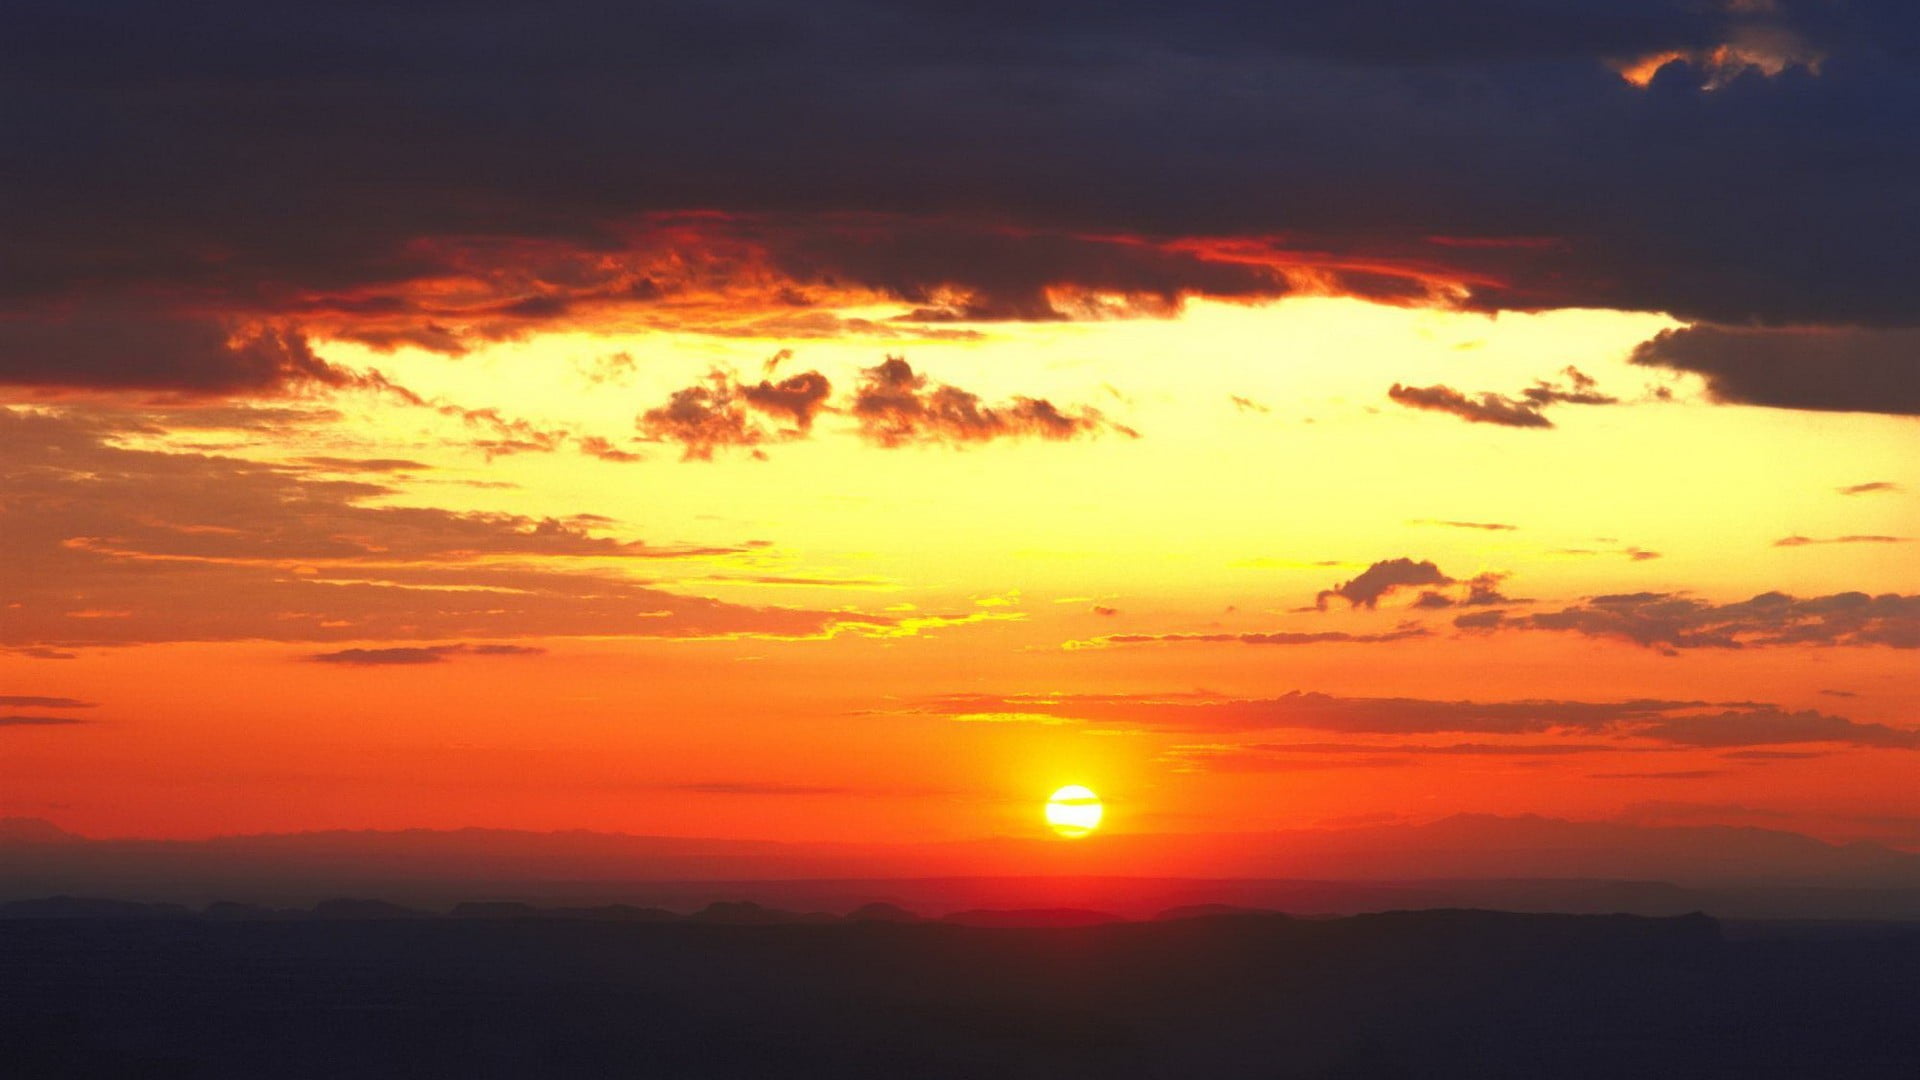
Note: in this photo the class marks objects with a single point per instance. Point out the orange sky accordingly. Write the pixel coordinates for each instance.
(524, 592)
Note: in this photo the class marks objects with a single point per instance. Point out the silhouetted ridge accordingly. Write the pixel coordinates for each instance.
(32, 830)
(74, 907)
(346, 908)
(881, 912)
(494, 909)
(230, 911)
(746, 913)
(1031, 917)
(613, 913)
(1211, 911)
(1429, 994)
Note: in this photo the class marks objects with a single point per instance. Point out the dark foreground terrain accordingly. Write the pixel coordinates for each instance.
(1434, 993)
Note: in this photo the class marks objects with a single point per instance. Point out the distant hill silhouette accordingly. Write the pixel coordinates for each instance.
(71, 907)
(747, 913)
(1525, 863)
(348, 908)
(29, 830)
(1031, 917)
(1208, 911)
(1430, 994)
(881, 912)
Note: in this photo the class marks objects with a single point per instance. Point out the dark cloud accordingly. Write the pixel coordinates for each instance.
(1671, 621)
(1698, 724)
(1805, 541)
(1247, 404)
(39, 721)
(419, 654)
(721, 412)
(703, 418)
(1770, 726)
(1381, 579)
(35, 701)
(1580, 389)
(960, 273)
(1523, 411)
(1483, 590)
(1830, 369)
(113, 347)
(897, 406)
(797, 399)
(337, 167)
(1409, 750)
(1487, 408)
(1242, 759)
(1875, 487)
(1480, 620)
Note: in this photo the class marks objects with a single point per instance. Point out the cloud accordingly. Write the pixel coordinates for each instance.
(419, 654)
(954, 271)
(1380, 580)
(1480, 620)
(1671, 621)
(1247, 404)
(1580, 389)
(1265, 757)
(533, 167)
(1630, 552)
(896, 406)
(199, 547)
(1487, 408)
(1280, 637)
(598, 446)
(39, 721)
(721, 412)
(1482, 590)
(1829, 369)
(1678, 724)
(1875, 487)
(1523, 411)
(797, 398)
(1668, 774)
(372, 465)
(117, 346)
(1771, 727)
(497, 434)
(35, 701)
(1805, 541)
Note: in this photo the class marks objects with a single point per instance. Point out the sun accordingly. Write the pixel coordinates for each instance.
(1074, 811)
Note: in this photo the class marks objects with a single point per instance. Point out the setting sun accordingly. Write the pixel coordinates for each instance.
(1074, 811)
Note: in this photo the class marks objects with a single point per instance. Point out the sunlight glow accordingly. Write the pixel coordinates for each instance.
(1074, 811)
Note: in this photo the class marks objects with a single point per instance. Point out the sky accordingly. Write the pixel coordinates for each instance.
(851, 422)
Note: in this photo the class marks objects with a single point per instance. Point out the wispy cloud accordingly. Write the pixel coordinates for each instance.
(419, 654)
